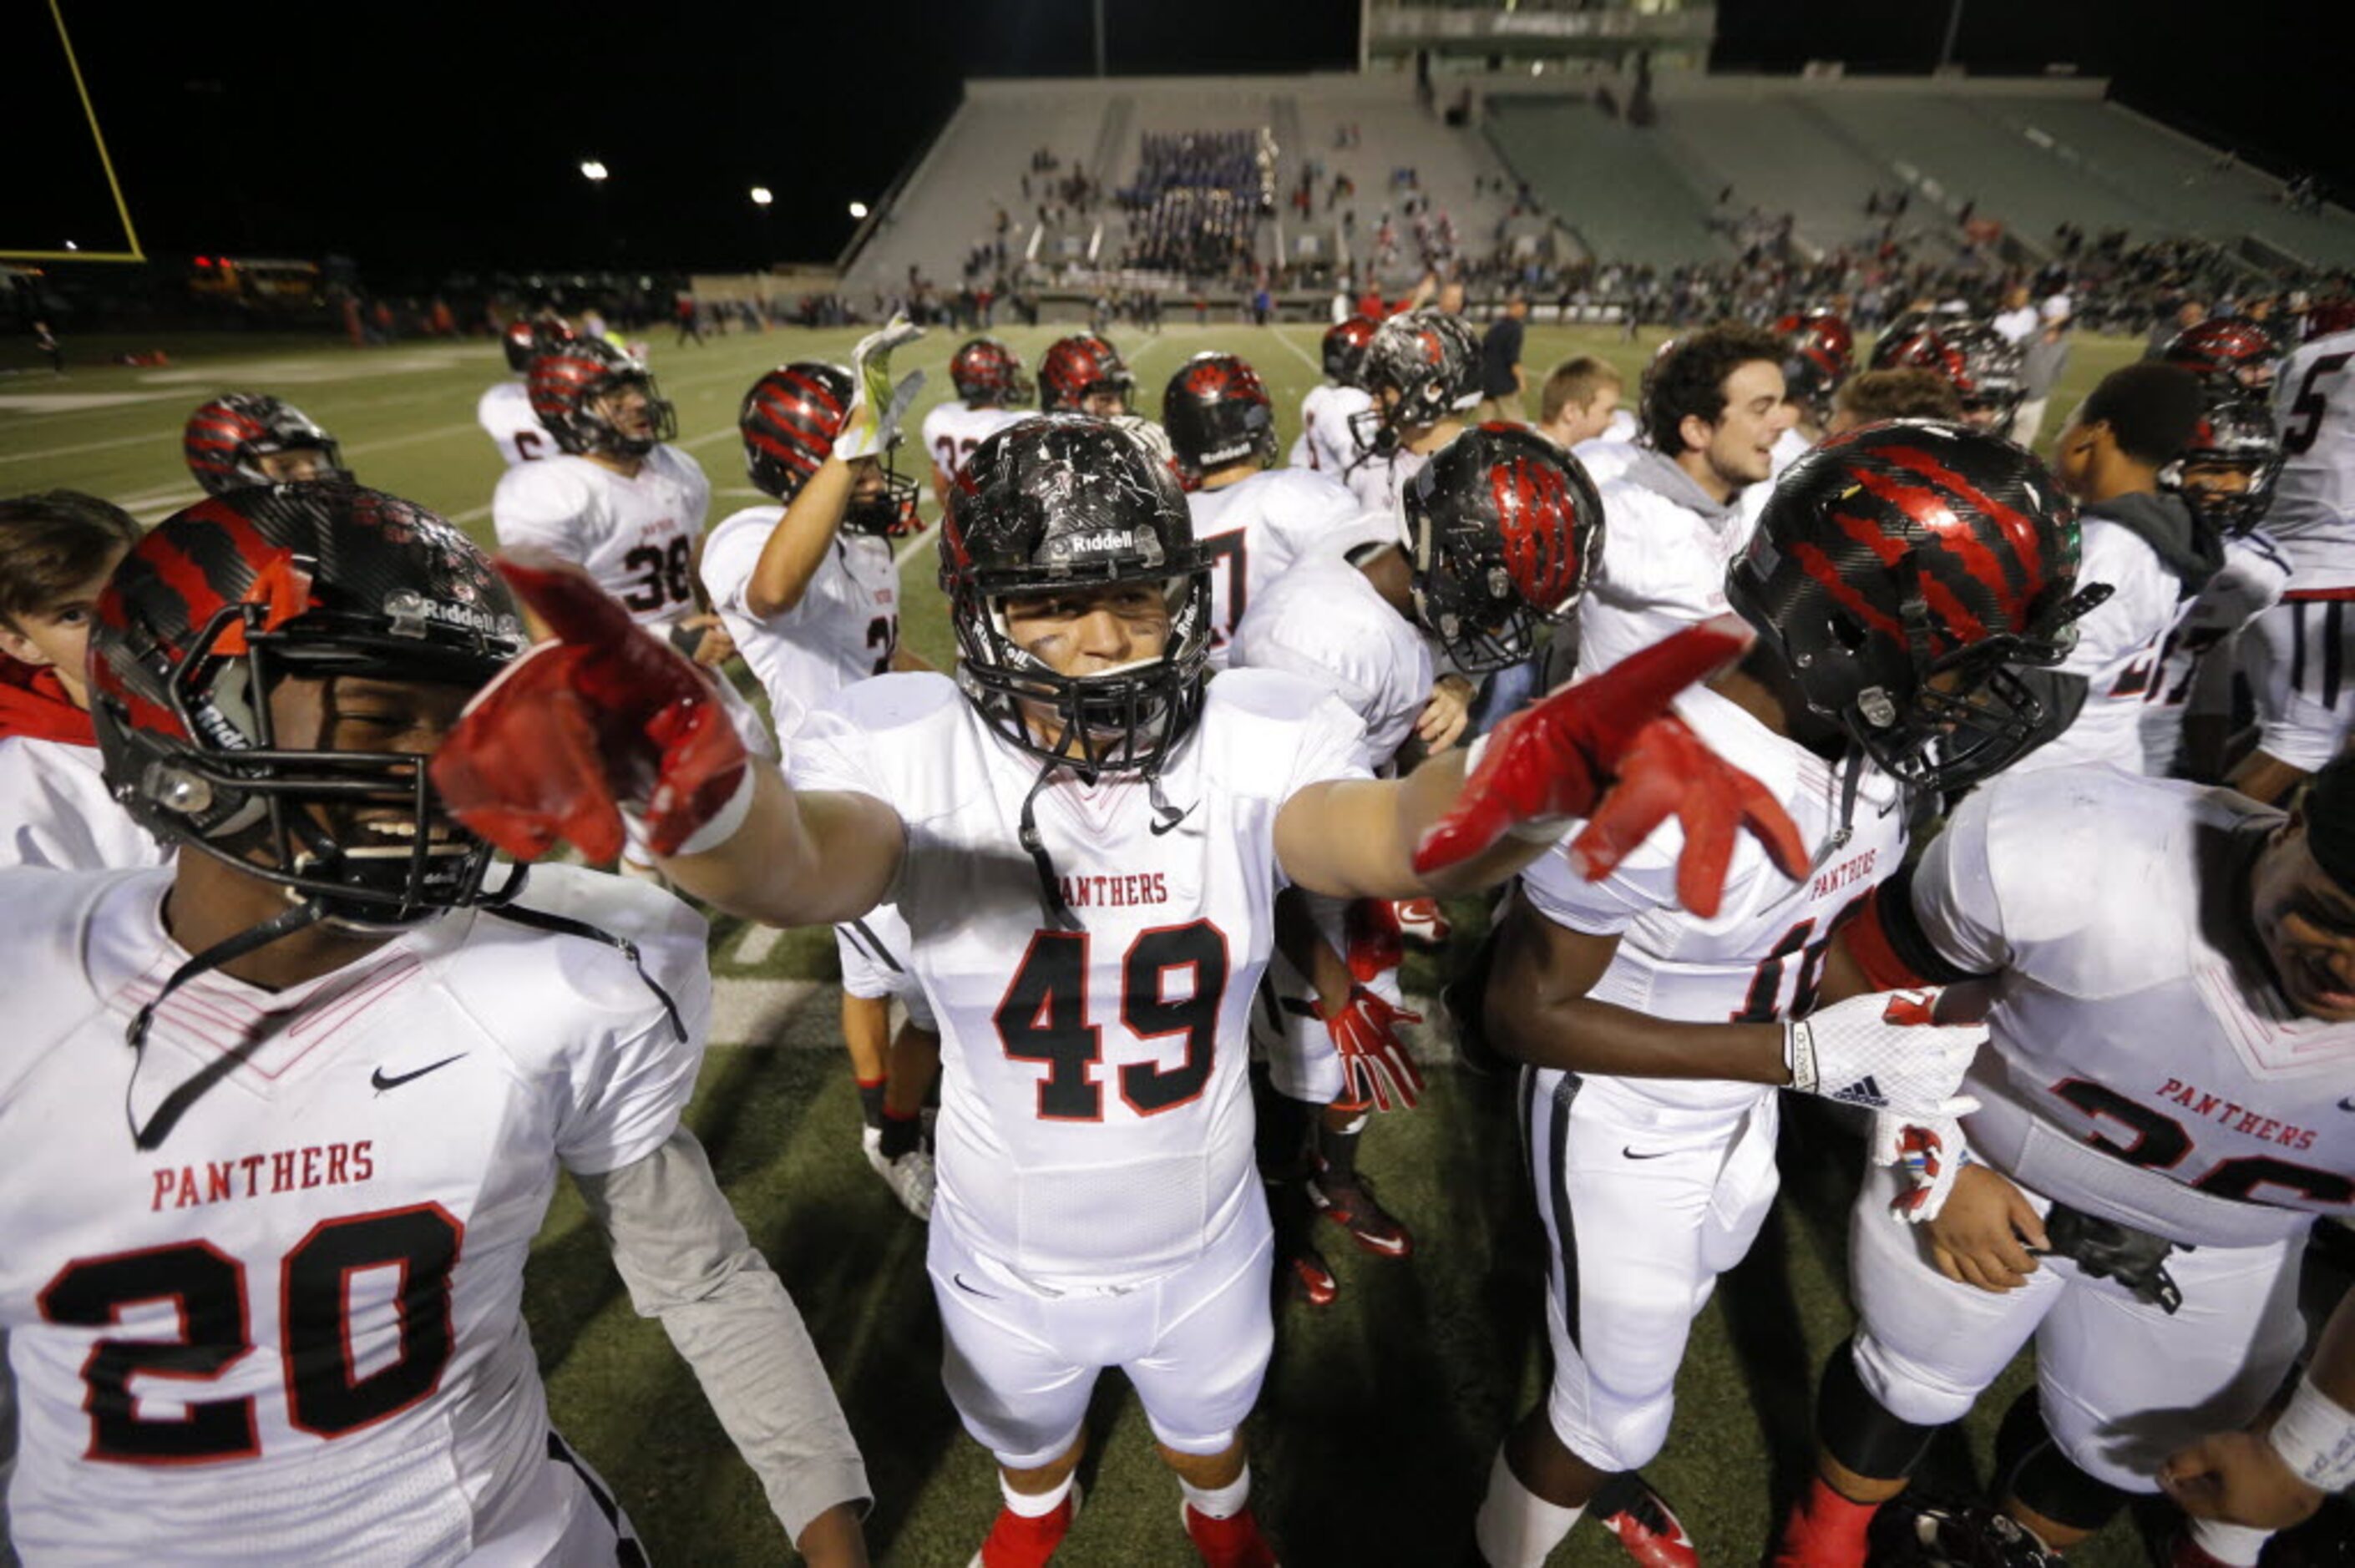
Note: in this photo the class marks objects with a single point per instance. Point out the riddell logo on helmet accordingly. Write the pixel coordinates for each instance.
(406, 607)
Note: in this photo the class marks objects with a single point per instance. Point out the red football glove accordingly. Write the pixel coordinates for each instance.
(603, 718)
(1370, 927)
(1376, 1066)
(1609, 750)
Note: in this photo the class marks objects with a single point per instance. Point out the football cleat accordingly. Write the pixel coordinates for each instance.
(1234, 1541)
(1421, 921)
(1649, 1531)
(910, 1177)
(1025, 1541)
(1351, 1205)
(1308, 1278)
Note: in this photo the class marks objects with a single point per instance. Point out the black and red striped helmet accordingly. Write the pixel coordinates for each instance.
(988, 375)
(1819, 351)
(1901, 571)
(218, 604)
(1077, 367)
(569, 380)
(1985, 368)
(1218, 413)
(1507, 528)
(2226, 346)
(2235, 435)
(789, 421)
(226, 440)
(526, 340)
(1345, 350)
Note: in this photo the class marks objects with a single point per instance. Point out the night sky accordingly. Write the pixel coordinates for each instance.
(438, 135)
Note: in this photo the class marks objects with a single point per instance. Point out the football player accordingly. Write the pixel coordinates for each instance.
(1084, 374)
(251, 437)
(1898, 578)
(1327, 440)
(1983, 366)
(1819, 356)
(991, 389)
(810, 593)
(1713, 411)
(1086, 838)
(2157, 1123)
(1893, 395)
(2141, 539)
(2300, 650)
(2226, 476)
(277, 1305)
(1423, 374)
(57, 551)
(2229, 348)
(505, 409)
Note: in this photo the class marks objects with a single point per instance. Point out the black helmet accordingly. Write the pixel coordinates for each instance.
(1507, 527)
(566, 382)
(1346, 342)
(1819, 351)
(1983, 366)
(526, 340)
(1431, 361)
(2235, 431)
(1900, 571)
(1062, 502)
(225, 441)
(2228, 348)
(985, 371)
(789, 421)
(219, 602)
(1216, 414)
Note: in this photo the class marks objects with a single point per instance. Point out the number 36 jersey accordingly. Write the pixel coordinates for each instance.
(1095, 1125)
(1761, 957)
(2144, 1067)
(291, 1330)
(634, 535)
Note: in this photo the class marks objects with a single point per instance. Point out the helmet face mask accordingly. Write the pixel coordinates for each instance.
(1507, 528)
(1067, 509)
(2227, 473)
(582, 391)
(221, 606)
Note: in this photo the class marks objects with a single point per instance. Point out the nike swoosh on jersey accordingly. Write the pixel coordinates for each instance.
(1160, 825)
(378, 1081)
(1656, 1154)
(958, 1280)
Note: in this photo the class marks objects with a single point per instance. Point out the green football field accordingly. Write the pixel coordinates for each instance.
(1373, 1442)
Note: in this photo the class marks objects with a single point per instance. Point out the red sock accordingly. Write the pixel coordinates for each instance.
(1825, 1531)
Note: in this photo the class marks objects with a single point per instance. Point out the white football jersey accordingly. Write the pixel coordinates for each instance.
(1662, 569)
(1095, 1125)
(635, 536)
(1761, 957)
(2249, 583)
(1323, 621)
(1605, 458)
(1327, 440)
(1621, 427)
(2119, 646)
(1257, 529)
(505, 413)
(2313, 509)
(953, 430)
(1379, 483)
(2143, 1068)
(292, 1330)
(845, 629)
(55, 811)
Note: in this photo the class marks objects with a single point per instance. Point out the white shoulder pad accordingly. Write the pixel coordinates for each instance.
(528, 984)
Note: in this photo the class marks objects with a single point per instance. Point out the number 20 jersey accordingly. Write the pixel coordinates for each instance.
(1095, 1125)
(636, 536)
(291, 1332)
(2144, 1068)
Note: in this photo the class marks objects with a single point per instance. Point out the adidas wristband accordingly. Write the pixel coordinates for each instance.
(2314, 1437)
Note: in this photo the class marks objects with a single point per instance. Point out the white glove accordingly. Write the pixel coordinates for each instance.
(872, 423)
(1929, 1151)
(1883, 1051)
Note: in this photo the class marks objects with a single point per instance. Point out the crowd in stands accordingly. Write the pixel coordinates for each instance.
(1196, 202)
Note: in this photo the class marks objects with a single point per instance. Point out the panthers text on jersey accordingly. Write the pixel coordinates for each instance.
(292, 1329)
(1095, 1125)
(2313, 509)
(1257, 528)
(953, 430)
(505, 413)
(845, 629)
(636, 534)
(2142, 1069)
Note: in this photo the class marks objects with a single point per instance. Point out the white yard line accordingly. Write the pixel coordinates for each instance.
(1298, 353)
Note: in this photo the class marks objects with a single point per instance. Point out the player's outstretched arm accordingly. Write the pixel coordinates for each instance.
(2276, 1474)
(1607, 750)
(797, 545)
(604, 721)
(685, 1259)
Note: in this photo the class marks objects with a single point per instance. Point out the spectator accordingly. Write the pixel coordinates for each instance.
(2046, 357)
(1503, 382)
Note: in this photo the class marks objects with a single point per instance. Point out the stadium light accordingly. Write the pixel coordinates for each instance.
(593, 172)
(762, 195)
(859, 209)
(72, 246)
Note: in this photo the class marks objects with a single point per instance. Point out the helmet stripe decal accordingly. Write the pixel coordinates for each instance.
(1818, 566)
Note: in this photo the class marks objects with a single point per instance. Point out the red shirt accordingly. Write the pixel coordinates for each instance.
(33, 703)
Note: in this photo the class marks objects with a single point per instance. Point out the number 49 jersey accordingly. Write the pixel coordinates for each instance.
(634, 535)
(2144, 1067)
(1761, 957)
(1095, 1125)
(290, 1331)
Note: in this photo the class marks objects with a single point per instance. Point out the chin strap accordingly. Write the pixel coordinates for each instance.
(178, 1103)
(1851, 779)
(1050, 894)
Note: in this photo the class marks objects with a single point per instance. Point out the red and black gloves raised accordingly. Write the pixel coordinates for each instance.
(1609, 750)
(604, 719)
